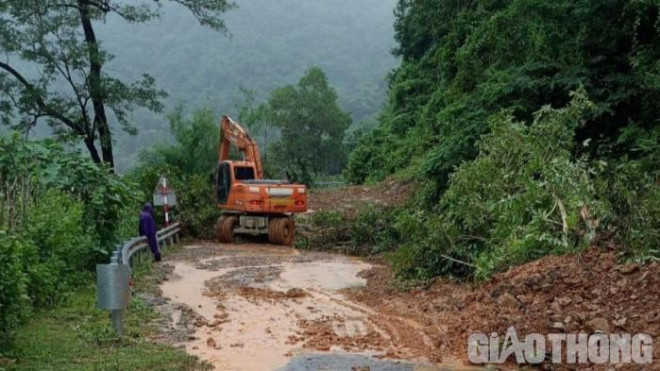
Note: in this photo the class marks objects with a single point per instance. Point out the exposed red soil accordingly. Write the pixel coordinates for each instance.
(321, 335)
(349, 199)
(572, 293)
(255, 295)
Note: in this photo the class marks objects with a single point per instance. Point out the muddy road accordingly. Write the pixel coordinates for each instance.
(264, 307)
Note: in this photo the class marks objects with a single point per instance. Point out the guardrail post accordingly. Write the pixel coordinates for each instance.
(112, 283)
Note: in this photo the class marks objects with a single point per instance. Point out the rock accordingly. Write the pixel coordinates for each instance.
(295, 293)
(555, 307)
(620, 322)
(210, 342)
(628, 268)
(577, 299)
(507, 300)
(556, 318)
(564, 301)
(556, 325)
(599, 324)
(642, 277)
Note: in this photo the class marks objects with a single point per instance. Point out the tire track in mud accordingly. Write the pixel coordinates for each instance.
(256, 307)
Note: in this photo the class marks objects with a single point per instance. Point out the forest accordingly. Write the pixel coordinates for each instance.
(532, 128)
(526, 127)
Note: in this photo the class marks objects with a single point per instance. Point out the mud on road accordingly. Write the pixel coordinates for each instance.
(264, 307)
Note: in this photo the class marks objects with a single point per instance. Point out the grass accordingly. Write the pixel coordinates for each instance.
(76, 335)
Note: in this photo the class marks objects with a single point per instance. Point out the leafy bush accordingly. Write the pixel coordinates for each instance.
(187, 164)
(14, 299)
(58, 216)
(523, 197)
(63, 252)
(632, 187)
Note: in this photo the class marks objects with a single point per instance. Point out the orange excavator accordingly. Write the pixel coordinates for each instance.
(249, 203)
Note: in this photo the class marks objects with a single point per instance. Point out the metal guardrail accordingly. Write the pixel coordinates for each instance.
(113, 280)
(136, 244)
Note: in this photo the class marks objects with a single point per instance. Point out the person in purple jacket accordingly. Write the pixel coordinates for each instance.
(148, 229)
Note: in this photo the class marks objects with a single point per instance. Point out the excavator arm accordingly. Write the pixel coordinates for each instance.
(232, 133)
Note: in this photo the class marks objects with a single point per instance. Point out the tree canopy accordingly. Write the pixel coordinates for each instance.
(53, 71)
(312, 124)
(464, 61)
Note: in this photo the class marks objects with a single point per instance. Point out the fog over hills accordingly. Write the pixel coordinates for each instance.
(270, 44)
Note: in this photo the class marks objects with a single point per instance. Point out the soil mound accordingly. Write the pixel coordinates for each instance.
(587, 292)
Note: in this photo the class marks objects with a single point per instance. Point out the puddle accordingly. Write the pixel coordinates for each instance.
(333, 275)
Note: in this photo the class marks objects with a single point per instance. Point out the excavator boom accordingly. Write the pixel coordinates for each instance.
(232, 133)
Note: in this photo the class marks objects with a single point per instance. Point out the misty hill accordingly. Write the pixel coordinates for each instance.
(271, 44)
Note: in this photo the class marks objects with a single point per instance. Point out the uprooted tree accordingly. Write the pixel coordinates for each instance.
(52, 67)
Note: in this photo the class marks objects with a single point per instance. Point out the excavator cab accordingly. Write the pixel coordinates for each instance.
(242, 173)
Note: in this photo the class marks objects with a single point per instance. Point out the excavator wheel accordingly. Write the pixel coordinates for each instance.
(286, 231)
(227, 229)
(218, 229)
(273, 235)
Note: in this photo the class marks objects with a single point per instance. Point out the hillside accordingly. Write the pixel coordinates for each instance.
(270, 44)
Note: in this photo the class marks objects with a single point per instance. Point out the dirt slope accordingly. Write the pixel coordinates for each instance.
(571, 293)
(349, 199)
(585, 292)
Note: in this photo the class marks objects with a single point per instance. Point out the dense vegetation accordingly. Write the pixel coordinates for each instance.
(312, 126)
(59, 215)
(530, 126)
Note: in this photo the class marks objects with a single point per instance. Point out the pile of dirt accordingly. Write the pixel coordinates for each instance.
(588, 292)
(321, 334)
(348, 200)
(257, 295)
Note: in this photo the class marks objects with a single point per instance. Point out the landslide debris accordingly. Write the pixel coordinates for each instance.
(349, 199)
(333, 213)
(586, 292)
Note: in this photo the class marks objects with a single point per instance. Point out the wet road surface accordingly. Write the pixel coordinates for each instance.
(264, 307)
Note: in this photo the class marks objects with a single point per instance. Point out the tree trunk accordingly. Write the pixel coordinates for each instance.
(89, 143)
(95, 89)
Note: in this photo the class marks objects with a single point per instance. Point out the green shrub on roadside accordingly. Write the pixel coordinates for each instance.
(63, 251)
(14, 299)
(59, 213)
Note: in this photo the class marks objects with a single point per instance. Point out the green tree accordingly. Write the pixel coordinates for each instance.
(312, 124)
(53, 67)
(463, 61)
(196, 147)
